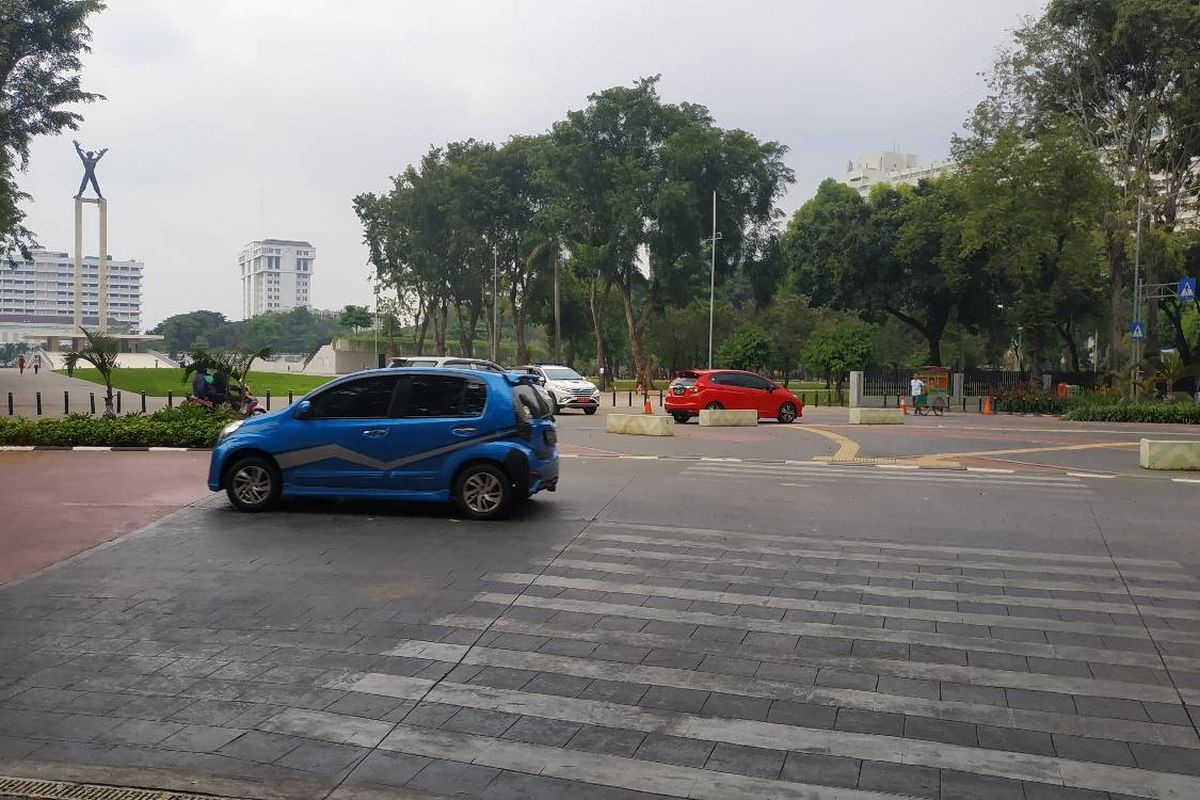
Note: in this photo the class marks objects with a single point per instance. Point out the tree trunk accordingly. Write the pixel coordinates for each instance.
(421, 330)
(518, 317)
(1114, 254)
(109, 413)
(598, 332)
(637, 350)
(935, 349)
(440, 316)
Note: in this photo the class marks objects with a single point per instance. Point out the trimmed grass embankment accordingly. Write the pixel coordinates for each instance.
(157, 382)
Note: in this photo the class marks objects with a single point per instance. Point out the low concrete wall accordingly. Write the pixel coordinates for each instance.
(728, 418)
(1167, 454)
(640, 424)
(876, 416)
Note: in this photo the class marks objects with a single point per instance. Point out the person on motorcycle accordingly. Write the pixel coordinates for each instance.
(220, 387)
(202, 386)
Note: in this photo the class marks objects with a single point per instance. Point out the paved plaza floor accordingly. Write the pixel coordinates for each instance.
(720, 615)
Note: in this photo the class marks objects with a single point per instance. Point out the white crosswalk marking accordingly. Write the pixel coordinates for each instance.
(972, 663)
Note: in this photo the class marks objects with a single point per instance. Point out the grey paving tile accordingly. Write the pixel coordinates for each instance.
(1015, 741)
(568, 647)
(430, 715)
(536, 730)
(323, 758)
(674, 750)
(909, 687)
(384, 768)
(940, 730)
(1040, 701)
(519, 786)
(861, 721)
(672, 659)
(152, 707)
(689, 701)
(1102, 751)
(1167, 713)
(821, 769)
(902, 779)
(969, 786)
(503, 678)
(736, 706)
(141, 732)
(480, 721)
(451, 777)
(962, 693)
(1111, 707)
(557, 684)
(806, 715)
(1043, 791)
(842, 679)
(261, 746)
(201, 738)
(356, 704)
(1162, 758)
(771, 671)
(746, 760)
(614, 691)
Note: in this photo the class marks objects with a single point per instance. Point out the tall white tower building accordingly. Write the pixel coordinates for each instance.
(276, 275)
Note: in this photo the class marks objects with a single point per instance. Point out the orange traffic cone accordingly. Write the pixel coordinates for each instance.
(987, 407)
(646, 408)
(904, 407)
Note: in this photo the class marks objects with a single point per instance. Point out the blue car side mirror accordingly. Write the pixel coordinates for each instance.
(302, 409)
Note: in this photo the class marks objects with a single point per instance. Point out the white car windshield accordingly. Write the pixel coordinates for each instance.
(562, 374)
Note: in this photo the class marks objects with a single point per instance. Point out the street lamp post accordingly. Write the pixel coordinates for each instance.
(712, 278)
(495, 304)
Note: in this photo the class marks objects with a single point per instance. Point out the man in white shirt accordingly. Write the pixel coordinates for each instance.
(917, 387)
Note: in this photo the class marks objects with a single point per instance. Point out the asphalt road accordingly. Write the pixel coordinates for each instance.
(714, 615)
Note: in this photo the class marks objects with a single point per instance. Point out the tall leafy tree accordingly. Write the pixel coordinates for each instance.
(41, 42)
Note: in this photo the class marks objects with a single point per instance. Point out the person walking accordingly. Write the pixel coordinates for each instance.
(37, 363)
(21, 364)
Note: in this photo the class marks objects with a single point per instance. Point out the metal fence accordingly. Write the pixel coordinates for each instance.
(894, 381)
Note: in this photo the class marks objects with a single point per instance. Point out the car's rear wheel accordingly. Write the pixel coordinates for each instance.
(681, 417)
(254, 484)
(483, 491)
(715, 406)
(787, 413)
(590, 410)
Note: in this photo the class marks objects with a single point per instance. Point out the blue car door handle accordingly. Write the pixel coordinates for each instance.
(462, 431)
(375, 433)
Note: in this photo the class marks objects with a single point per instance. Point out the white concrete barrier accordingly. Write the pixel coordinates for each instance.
(728, 417)
(876, 416)
(640, 424)
(1170, 454)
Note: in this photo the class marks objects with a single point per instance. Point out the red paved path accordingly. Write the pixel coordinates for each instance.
(56, 504)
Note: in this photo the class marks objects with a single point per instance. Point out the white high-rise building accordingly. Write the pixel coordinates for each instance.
(38, 296)
(275, 275)
(892, 168)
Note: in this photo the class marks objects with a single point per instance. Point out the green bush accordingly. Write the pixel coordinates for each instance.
(185, 426)
(1024, 400)
(1185, 413)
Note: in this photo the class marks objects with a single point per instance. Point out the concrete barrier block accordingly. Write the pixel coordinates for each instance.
(640, 424)
(1170, 454)
(876, 416)
(727, 417)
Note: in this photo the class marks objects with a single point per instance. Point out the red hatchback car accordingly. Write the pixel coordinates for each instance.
(698, 389)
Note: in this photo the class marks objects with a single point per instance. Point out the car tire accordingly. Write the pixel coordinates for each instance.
(556, 408)
(715, 406)
(254, 484)
(787, 413)
(681, 417)
(483, 491)
(590, 410)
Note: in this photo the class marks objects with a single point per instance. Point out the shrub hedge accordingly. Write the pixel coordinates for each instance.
(184, 426)
(1024, 400)
(1182, 413)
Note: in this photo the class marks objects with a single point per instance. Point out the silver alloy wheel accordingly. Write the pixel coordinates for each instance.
(252, 484)
(787, 413)
(483, 493)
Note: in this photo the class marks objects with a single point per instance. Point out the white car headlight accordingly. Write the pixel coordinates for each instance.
(229, 429)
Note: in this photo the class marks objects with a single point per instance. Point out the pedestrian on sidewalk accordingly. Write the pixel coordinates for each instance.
(37, 363)
(21, 364)
(917, 387)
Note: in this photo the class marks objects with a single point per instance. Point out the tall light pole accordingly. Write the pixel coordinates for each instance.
(557, 312)
(1137, 300)
(495, 304)
(376, 324)
(712, 278)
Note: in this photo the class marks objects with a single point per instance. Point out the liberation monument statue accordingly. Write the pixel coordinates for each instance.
(90, 158)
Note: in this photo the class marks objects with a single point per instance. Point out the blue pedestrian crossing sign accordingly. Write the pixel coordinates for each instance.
(1139, 331)
(1187, 289)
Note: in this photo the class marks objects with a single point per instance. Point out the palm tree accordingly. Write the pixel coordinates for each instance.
(101, 352)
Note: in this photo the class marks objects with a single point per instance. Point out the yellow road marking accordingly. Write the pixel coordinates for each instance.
(847, 448)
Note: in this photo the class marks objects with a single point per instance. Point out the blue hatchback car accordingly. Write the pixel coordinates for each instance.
(478, 439)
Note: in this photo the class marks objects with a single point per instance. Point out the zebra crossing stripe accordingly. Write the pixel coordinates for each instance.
(1010, 647)
(918, 670)
(1133, 630)
(874, 475)
(734, 578)
(760, 688)
(329, 727)
(612, 771)
(1040, 556)
(1113, 586)
(799, 552)
(767, 735)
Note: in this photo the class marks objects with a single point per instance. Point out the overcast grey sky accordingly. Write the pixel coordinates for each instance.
(230, 120)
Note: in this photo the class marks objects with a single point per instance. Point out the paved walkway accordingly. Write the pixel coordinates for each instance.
(24, 390)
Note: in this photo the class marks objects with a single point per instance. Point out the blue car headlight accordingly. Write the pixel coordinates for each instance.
(228, 430)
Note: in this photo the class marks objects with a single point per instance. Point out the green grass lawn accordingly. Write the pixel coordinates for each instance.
(157, 382)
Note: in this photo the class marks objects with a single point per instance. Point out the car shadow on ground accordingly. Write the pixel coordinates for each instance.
(530, 510)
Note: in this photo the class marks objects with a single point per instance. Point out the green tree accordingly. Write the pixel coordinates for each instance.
(748, 348)
(41, 42)
(837, 347)
(101, 352)
(356, 318)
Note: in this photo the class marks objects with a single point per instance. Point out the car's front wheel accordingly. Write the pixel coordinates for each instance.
(681, 417)
(787, 413)
(254, 484)
(483, 491)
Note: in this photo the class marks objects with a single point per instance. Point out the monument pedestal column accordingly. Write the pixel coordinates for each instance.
(101, 267)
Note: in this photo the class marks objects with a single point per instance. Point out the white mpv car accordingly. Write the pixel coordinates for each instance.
(566, 387)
